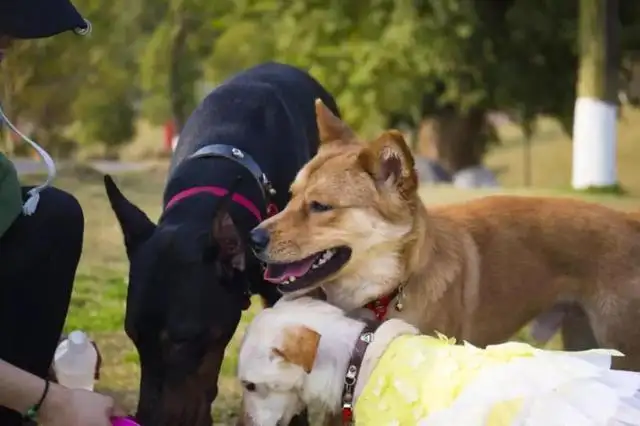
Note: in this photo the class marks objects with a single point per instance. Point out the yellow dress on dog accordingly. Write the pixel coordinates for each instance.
(431, 381)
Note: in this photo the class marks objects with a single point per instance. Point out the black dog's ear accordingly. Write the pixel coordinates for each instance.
(226, 234)
(182, 243)
(177, 243)
(135, 224)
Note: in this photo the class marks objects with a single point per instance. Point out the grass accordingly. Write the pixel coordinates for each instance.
(99, 296)
(551, 152)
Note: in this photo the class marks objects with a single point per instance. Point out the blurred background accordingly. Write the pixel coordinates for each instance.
(471, 82)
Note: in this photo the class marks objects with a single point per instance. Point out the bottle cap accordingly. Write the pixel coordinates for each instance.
(77, 339)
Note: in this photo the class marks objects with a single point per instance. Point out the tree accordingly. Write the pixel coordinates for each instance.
(594, 137)
(72, 88)
(38, 96)
(440, 65)
(172, 61)
(103, 110)
(443, 62)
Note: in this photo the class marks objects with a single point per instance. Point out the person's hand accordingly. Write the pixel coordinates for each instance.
(73, 407)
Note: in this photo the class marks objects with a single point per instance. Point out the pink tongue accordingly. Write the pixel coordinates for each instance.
(277, 273)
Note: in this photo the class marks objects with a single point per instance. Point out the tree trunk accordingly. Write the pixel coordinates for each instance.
(594, 128)
(456, 140)
(179, 104)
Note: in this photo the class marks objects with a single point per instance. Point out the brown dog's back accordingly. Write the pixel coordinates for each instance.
(561, 233)
(537, 253)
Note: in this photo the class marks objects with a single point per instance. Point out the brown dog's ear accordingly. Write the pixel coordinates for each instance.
(390, 162)
(299, 346)
(330, 127)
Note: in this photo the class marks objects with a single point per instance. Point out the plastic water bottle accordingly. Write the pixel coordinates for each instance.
(75, 361)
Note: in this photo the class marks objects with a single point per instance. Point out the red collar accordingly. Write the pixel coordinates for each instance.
(380, 306)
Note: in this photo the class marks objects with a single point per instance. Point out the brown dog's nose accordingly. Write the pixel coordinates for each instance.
(259, 240)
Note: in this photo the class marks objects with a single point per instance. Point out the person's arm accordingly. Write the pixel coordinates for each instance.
(20, 391)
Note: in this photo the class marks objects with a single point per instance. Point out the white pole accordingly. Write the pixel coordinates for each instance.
(595, 113)
(594, 144)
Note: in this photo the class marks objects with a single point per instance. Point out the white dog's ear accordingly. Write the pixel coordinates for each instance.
(299, 346)
(390, 162)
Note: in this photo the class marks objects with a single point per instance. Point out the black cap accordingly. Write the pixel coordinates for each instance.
(40, 18)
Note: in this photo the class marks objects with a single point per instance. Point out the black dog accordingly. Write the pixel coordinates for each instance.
(192, 275)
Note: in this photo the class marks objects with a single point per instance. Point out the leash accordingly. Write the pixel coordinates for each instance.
(353, 370)
(30, 206)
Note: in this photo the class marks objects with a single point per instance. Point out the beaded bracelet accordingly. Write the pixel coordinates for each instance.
(32, 412)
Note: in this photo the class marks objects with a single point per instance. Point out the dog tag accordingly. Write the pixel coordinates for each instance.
(367, 337)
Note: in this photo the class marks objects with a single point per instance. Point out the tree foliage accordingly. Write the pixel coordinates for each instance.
(449, 61)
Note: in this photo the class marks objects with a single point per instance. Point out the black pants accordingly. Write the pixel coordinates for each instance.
(39, 255)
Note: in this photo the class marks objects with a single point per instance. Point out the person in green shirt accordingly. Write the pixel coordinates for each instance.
(41, 232)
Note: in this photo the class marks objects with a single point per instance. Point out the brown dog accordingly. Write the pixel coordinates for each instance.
(478, 270)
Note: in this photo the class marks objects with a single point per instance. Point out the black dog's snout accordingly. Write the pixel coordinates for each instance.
(259, 239)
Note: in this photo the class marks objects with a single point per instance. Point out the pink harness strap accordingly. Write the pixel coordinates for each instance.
(219, 192)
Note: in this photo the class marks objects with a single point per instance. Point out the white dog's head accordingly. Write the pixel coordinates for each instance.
(277, 356)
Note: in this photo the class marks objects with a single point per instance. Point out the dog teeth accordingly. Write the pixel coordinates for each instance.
(328, 254)
(324, 258)
(289, 280)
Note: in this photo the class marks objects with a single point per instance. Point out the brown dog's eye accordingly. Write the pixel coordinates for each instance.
(249, 386)
(317, 207)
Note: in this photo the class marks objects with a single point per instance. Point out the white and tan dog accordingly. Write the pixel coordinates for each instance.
(301, 353)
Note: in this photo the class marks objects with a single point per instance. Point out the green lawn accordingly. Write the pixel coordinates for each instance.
(551, 155)
(99, 295)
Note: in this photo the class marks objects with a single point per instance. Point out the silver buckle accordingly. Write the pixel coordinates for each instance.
(350, 377)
